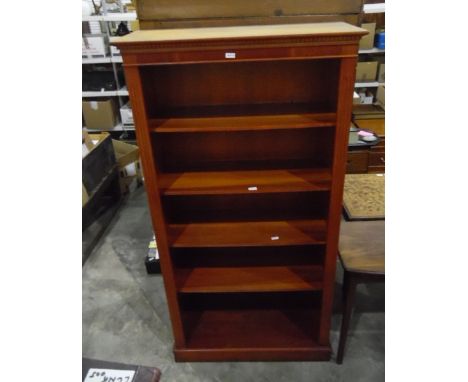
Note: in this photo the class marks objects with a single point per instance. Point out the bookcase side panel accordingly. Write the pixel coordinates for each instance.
(134, 84)
(343, 118)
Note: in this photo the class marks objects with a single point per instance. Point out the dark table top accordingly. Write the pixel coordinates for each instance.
(362, 246)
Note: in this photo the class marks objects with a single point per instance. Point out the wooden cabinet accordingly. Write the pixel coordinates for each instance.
(243, 135)
(370, 159)
(357, 162)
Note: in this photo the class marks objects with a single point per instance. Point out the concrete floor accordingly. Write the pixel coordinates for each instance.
(125, 318)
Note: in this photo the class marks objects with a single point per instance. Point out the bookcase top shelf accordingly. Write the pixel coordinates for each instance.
(239, 32)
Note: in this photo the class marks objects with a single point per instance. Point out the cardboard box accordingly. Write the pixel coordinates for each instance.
(99, 114)
(128, 161)
(381, 74)
(356, 99)
(126, 114)
(94, 46)
(365, 97)
(367, 41)
(366, 71)
(97, 161)
(381, 95)
(125, 153)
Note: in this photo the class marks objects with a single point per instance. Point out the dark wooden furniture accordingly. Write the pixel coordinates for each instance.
(159, 14)
(362, 255)
(242, 134)
(368, 159)
(101, 190)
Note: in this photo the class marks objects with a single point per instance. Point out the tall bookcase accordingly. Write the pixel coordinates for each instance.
(243, 134)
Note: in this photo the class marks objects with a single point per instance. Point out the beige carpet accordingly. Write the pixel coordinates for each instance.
(364, 196)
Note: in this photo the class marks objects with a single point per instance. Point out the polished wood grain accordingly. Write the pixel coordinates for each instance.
(244, 182)
(249, 279)
(236, 123)
(273, 233)
(362, 246)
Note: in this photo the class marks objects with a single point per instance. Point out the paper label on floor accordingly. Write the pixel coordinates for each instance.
(108, 375)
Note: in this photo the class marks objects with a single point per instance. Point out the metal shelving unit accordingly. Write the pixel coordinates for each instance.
(116, 17)
(123, 92)
(372, 51)
(105, 20)
(118, 127)
(374, 8)
(371, 8)
(372, 84)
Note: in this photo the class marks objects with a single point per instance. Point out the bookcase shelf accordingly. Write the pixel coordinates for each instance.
(243, 134)
(245, 182)
(243, 122)
(243, 234)
(249, 279)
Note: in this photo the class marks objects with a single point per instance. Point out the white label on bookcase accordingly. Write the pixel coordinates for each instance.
(229, 55)
(253, 188)
(275, 238)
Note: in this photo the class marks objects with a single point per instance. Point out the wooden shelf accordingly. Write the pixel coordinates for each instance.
(258, 117)
(252, 328)
(271, 233)
(245, 182)
(249, 279)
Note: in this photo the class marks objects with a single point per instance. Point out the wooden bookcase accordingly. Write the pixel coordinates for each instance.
(243, 134)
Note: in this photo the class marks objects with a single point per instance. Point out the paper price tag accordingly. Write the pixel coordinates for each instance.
(275, 238)
(229, 55)
(253, 188)
(108, 375)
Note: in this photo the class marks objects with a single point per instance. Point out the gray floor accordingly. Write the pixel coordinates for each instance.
(125, 318)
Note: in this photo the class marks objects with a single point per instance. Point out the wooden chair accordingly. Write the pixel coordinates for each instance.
(362, 255)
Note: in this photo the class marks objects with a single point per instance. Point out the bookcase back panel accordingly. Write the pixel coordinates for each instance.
(248, 256)
(276, 149)
(251, 207)
(181, 90)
